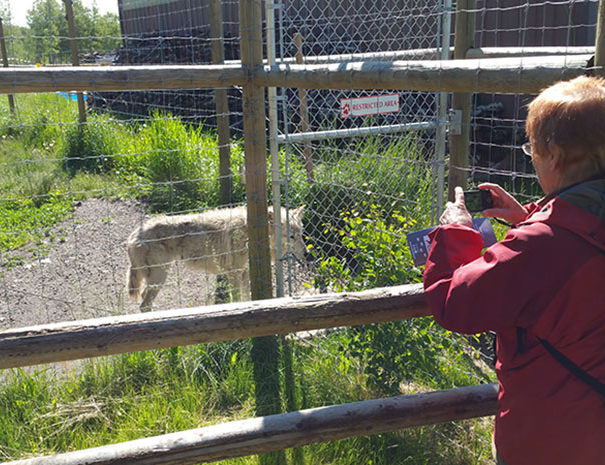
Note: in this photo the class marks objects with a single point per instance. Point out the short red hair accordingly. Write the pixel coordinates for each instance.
(571, 116)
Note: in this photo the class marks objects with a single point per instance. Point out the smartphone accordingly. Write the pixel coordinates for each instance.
(478, 200)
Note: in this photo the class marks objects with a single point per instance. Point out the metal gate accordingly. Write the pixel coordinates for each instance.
(319, 130)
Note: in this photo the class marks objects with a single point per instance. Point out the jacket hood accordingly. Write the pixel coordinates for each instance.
(589, 221)
(589, 196)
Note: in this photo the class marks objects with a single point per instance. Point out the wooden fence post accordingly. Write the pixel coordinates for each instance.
(304, 111)
(599, 56)
(222, 128)
(69, 14)
(11, 100)
(222, 105)
(461, 102)
(265, 350)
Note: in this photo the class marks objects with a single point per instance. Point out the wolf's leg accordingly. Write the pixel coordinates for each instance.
(155, 280)
(221, 295)
(245, 285)
(240, 285)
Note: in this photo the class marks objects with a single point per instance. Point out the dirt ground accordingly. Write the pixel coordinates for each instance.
(83, 273)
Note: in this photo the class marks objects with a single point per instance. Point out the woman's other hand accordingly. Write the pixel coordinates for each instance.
(505, 205)
(456, 212)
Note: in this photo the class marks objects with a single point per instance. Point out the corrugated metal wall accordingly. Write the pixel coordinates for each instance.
(499, 22)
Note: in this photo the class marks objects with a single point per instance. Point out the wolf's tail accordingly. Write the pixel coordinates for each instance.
(137, 271)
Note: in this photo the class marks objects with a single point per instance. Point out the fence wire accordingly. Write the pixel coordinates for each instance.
(72, 195)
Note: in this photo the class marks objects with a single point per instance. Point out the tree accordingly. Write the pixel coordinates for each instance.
(46, 20)
(49, 37)
(13, 35)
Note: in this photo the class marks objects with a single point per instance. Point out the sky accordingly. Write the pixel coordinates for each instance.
(19, 8)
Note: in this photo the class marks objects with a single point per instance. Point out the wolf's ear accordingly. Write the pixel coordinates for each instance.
(298, 212)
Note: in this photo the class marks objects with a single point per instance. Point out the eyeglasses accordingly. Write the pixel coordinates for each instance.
(526, 149)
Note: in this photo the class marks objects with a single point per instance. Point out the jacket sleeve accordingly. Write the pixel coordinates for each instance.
(472, 293)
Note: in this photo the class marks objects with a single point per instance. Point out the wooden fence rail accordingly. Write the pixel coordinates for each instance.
(500, 75)
(294, 429)
(113, 335)
(127, 333)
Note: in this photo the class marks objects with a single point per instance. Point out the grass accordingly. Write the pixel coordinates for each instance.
(364, 200)
(143, 394)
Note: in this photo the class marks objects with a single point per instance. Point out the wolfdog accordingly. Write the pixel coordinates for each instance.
(214, 242)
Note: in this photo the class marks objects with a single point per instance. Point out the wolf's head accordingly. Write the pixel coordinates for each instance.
(291, 232)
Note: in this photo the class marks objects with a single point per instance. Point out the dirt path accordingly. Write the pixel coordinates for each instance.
(83, 273)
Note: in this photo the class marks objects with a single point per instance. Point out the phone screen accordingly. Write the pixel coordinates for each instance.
(478, 200)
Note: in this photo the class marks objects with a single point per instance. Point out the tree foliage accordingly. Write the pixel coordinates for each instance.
(48, 36)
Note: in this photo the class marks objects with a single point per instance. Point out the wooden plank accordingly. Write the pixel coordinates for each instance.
(127, 333)
(499, 52)
(435, 54)
(287, 430)
(265, 351)
(501, 75)
(304, 112)
(52, 79)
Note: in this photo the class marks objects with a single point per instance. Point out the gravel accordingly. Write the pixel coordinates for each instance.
(82, 273)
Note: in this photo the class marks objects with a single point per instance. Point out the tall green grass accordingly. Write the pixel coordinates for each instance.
(178, 165)
(141, 394)
(49, 161)
(363, 201)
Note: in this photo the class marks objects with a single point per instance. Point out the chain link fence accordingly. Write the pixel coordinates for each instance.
(361, 149)
(369, 165)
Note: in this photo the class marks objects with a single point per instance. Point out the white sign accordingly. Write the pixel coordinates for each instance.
(373, 105)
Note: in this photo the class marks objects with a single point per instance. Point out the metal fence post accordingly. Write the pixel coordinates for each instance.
(276, 181)
(441, 135)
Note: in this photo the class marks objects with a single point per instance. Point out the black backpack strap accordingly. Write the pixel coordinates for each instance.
(587, 378)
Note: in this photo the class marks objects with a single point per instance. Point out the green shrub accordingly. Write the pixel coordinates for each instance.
(178, 165)
(393, 174)
(89, 147)
(375, 241)
(398, 351)
(38, 118)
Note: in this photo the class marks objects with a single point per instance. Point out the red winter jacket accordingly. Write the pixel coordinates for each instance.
(546, 279)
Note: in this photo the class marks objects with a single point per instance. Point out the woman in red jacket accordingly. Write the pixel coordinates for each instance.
(541, 289)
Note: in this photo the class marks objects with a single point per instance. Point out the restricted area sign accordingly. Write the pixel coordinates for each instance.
(372, 105)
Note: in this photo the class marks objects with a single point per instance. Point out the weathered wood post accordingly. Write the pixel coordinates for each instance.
(222, 128)
(221, 104)
(461, 102)
(75, 59)
(265, 350)
(304, 111)
(599, 56)
(11, 100)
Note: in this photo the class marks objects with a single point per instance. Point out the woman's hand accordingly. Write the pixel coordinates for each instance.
(505, 205)
(456, 212)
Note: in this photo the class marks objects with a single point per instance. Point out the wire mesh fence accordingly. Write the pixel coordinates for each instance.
(368, 165)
